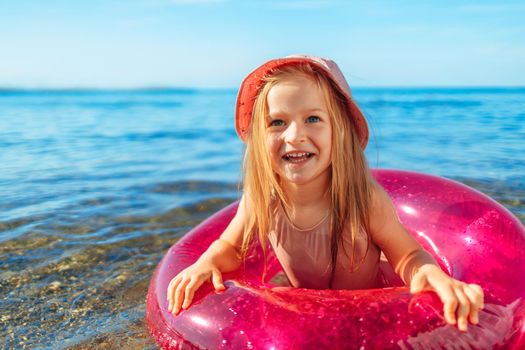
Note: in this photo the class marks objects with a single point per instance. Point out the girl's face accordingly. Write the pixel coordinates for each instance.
(299, 131)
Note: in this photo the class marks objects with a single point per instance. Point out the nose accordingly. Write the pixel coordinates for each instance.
(294, 133)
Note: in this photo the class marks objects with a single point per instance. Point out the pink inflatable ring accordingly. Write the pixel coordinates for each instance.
(474, 238)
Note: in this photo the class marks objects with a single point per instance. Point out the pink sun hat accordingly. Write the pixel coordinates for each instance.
(253, 82)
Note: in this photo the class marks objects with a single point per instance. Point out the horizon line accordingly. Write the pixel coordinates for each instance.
(4, 89)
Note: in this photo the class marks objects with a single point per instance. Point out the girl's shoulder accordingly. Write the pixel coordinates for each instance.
(378, 193)
(383, 218)
(380, 202)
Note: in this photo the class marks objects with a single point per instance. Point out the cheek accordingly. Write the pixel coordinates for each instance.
(329, 155)
(324, 141)
(272, 146)
(329, 149)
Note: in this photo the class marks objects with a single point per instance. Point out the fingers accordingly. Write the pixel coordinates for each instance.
(170, 295)
(182, 287)
(179, 295)
(217, 280)
(194, 284)
(190, 289)
(450, 303)
(461, 303)
(478, 297)
(475, 295)
(463, 310)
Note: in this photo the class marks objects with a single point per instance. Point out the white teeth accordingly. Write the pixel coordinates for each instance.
(297, 155)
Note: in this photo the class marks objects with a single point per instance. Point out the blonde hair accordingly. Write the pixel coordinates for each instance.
(351, 182)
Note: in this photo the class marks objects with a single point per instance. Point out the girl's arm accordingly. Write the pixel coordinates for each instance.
(222, 256)
(417, 267)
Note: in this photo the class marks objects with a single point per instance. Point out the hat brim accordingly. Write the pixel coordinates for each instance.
(253, 82)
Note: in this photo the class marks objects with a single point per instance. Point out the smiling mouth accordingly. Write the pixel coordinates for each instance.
(297, 157)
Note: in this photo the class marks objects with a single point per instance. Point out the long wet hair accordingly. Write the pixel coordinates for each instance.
(351, 181)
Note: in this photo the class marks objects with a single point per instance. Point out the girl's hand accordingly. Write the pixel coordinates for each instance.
(459, 298)
(183, 286)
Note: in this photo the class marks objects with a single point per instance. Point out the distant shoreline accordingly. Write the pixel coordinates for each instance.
(189, 90)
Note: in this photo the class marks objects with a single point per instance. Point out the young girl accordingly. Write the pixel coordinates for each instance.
(309, 192)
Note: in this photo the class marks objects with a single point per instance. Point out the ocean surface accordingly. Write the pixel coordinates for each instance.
(95, 186)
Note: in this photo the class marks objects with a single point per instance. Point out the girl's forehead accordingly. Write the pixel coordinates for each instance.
(295, 101)
(295, 79)
(295, 94)
(292, 86)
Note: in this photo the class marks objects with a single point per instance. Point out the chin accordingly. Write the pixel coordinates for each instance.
(299, 179)
(297, 182)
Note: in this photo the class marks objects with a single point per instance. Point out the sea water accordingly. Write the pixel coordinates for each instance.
(96, 185)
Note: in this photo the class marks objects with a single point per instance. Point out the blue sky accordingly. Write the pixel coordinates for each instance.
(214, 43)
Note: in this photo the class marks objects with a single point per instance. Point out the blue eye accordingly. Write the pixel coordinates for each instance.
(313, 119)
(276, 122)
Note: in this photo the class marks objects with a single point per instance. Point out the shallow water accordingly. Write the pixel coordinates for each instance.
(96, 185)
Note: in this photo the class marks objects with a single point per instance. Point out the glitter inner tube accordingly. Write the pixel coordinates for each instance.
(474, 239)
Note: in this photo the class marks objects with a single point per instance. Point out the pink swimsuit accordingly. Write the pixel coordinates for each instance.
(305, 257)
